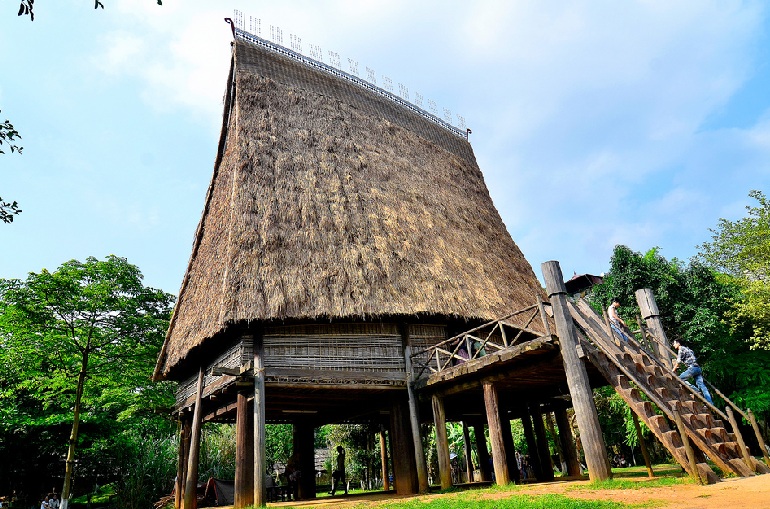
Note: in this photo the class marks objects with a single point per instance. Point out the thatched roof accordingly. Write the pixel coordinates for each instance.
(329, 201)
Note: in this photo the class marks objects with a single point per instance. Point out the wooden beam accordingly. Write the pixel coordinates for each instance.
(499, 459)
(577, 377)
(442, 444)
(191, 481)
(404, 470)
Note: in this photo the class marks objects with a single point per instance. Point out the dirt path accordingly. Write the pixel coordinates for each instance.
(740, 493)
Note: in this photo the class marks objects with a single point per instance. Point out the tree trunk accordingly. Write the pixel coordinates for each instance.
(70, 465)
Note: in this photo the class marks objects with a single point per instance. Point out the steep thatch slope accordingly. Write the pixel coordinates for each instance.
(329, 201)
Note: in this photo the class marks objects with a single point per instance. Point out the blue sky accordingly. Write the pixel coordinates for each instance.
(595, 123)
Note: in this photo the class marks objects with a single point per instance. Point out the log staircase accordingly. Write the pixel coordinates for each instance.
(685, 423)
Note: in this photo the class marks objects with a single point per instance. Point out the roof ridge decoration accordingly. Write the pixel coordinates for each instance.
(316, 62)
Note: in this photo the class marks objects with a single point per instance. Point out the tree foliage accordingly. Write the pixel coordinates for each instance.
(695, 303)
(27, 7)
(77, 347)
(9, 136)
(741, 249)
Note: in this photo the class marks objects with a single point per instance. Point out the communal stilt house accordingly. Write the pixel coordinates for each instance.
(350, 266)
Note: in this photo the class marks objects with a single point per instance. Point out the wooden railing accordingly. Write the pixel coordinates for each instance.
(478, 342)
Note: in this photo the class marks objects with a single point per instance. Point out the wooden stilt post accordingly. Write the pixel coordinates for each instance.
(191, 482)
(304, 435)
(499, 458)
(758, 433)
(260, 490)
(414, 414)
(244, 451)
(442, 444)
(510, 448)
(556, 443)
(467, 452)
(181, 466)
(404, 470)
(577, 378)
(543, 451)
(567, 442)
(643, 446)
(384, 460)
(651, 315)
(482, 452)
(534, 456)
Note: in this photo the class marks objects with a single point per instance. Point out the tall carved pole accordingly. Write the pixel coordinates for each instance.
(577, 378)
(649, 308)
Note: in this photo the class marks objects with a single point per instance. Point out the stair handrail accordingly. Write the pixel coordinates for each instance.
(657, 361)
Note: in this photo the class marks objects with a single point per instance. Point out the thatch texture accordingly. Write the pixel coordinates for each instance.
(330, 201)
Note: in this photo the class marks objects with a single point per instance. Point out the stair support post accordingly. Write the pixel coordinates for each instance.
(758, 433)
(739, 438)
(642, 445)
(577, 377)
(687, 446)
(499, 455)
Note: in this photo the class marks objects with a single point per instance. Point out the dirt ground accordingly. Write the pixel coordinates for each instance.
(742, 493)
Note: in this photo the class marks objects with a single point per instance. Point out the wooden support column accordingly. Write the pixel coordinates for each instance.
(577, 378)
(244, 451)
(567, 443)
(482, 452)
(543, 451)
(739, 438)
(404, 469)
(191, 481)
(384, 459)
(303, 446)
(181, 467)
(556, 443)
(260, 489)
(499, 459)
(758, 434)
(534, 455)
(442, 444)
(467, 452)
(651, 315)
(643, 446)
(687, 447)
(414, 414)
(510, 448)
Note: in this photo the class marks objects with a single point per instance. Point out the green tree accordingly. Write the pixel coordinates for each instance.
(694, 301)
(27, 7)
(9, 136)
(89, 322)
(741, 249)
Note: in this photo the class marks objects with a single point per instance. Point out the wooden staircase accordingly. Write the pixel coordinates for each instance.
(661, 399)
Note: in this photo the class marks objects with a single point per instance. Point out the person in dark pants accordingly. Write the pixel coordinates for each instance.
(686, 356)
(338, 475)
